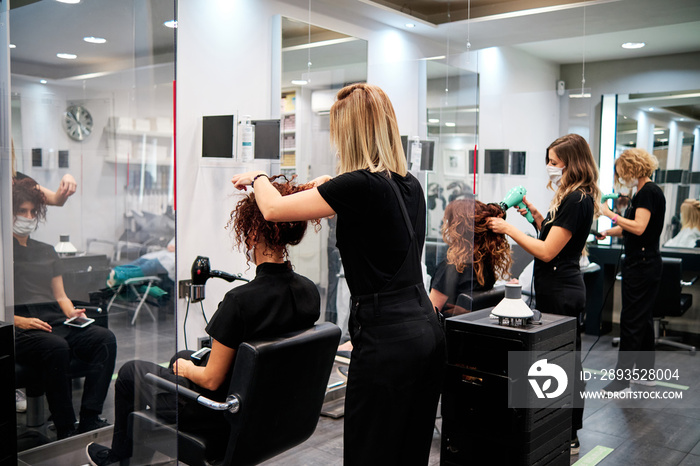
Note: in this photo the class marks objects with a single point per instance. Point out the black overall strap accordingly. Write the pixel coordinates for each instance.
(404, 211)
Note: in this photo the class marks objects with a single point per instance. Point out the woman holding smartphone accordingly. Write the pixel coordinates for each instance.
(559, 287)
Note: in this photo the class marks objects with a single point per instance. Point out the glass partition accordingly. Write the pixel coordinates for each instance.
(92, 126)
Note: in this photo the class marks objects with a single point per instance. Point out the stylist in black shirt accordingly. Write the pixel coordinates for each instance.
(559, 287)
(641, 269)
(398, 345)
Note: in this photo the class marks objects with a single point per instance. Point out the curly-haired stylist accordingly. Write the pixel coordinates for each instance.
(641, 269)
(559, 286)
(398, 346)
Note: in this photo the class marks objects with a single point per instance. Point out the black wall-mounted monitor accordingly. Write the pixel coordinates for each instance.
(217, 136)
(496, 160)
(427, 152)
(517, 162)
(267, 139)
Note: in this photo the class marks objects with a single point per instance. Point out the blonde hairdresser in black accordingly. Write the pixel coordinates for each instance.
(398, 350)
(641, 229)
(559, 287)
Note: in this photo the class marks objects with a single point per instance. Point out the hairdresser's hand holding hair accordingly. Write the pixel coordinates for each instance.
(398, 344)
(559, 286)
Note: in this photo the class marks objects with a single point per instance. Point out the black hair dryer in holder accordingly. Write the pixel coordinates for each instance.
(201, 272)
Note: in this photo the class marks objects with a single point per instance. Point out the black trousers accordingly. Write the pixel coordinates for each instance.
(566, 296)
(133, 393)
(51, 353)
(641, 278)
(394, 381)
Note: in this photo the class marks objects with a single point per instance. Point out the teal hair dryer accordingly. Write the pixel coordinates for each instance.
(605, 197)
(515, 198)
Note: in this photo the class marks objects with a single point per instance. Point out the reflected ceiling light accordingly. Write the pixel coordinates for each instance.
(43, 81)
(651, 109)
(585, 95)
(72, 2)
(13, 46)
(95, 40)
(659, 131)
(433, 120)
(663, 140)
(633, 45)
(450, 124)
(172, 24)
(438, 57)
(631, 142)
(67, 56)
(300, 82)
(410, 25)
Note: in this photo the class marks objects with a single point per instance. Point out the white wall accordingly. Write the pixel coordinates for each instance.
(518, 110)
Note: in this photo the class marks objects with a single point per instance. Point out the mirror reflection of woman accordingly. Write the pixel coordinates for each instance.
(641, 229)
(559, 287)
(398, 351)
(690, 226)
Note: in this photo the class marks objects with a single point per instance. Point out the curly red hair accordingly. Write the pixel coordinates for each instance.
(247, 221)
(469, 239)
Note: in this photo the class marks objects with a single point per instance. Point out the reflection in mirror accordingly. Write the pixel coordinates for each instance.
(96, 133)
(452, 122)
(316, 63)
(665, 124)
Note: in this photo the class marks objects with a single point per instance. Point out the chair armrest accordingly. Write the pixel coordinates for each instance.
(231, 404)
(137, 280)
(689, 282)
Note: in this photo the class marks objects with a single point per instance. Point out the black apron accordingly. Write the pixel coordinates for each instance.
(396, 368)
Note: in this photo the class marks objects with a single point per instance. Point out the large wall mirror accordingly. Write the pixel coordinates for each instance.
(92, 101)
(316, 63)
(664, 123)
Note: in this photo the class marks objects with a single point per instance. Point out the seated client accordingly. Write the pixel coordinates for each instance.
(476, 256)
(277, 301)
(41, 308)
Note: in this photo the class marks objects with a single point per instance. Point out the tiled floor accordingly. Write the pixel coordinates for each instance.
(640, 434)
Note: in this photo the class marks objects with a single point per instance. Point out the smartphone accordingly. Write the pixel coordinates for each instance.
(198, 355)
(79, 321)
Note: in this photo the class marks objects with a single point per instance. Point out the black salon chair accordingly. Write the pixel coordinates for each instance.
(477, 300)
(670, 302)
(275, 398)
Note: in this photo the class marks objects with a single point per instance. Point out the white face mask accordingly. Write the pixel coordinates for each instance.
(555, 174)
(631, 183)
(23, 226)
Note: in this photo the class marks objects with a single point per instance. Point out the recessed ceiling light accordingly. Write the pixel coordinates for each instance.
(650, 109)
(72, 2)
(633, 45)
(67, 56)
(450, 124)
(410, 25)
(433, 120)
(95, 40)
(300, 82)
(584, 95)
(43, 81)
(13, 46)
(172, 24)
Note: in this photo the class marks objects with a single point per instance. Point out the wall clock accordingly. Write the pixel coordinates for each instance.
(77, 122)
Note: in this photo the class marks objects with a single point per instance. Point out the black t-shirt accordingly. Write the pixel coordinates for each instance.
(452, 283)
(575, 214)
(650, 197)
(275, 302)
(371, 235)
(35, 266)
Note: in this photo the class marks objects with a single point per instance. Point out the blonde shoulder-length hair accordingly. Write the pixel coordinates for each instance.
(580, 174)
(635, 163)
(364, 130)
(690, 214)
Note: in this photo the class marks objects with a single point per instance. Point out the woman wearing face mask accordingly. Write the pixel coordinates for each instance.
(559, 286)
(641, 228)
